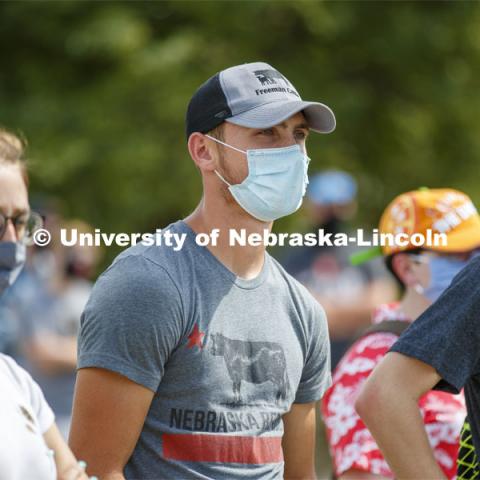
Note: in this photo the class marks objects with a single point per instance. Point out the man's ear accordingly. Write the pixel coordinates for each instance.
(202, 152)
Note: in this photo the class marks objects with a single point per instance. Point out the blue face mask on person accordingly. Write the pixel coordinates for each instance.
(276, 183)
(12, 259)
(442, 272)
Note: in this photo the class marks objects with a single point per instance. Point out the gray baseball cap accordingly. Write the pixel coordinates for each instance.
(253, 95)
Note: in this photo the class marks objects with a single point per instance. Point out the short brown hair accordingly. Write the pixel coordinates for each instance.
(217, 132)
(12, 151)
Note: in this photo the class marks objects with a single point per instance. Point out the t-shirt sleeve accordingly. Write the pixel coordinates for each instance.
(32, 394)
(132, 321)
(316, 374)
(447, 335)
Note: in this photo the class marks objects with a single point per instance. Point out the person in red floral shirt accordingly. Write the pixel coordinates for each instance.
(423, 274)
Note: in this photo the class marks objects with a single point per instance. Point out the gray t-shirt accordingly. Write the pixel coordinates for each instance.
(226, 358)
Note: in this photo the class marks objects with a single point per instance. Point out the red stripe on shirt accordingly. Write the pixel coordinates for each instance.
(222, 448)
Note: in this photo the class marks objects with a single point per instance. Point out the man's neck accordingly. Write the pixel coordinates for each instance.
(244, 261)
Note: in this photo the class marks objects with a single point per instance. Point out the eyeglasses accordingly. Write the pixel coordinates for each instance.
(26, 224)
(425, 257)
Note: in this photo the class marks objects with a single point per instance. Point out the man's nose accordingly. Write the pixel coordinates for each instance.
(10, 234)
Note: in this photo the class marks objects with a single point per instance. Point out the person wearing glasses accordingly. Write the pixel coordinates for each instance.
(423, 274)
(440, 351)
(41, 313)
(31, 445)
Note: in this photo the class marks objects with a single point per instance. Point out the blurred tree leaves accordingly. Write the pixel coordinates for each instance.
(100, 91)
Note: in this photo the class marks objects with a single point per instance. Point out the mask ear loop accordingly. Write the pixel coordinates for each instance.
(222, 179)
(227, 145)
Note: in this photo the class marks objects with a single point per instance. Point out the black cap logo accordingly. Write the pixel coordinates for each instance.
(270, 77)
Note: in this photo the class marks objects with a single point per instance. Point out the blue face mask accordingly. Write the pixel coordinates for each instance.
(442, 271)
(12, 259)
(276, 183)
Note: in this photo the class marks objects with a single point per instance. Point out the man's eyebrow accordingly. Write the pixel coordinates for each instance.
(300, 125)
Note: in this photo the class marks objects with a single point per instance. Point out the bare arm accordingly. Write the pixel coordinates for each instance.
(299, 442)
(388, 404)
(67, 465)
(52, 353)
(109, 411)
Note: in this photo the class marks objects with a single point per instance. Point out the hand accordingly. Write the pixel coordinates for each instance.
(76, 472)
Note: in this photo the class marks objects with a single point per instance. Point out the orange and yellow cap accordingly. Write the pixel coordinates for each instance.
(441, 210)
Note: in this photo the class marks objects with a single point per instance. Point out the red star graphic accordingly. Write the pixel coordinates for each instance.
(195, 338)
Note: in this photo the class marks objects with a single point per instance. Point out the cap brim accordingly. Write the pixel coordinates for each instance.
(462, 239)
(320, 118)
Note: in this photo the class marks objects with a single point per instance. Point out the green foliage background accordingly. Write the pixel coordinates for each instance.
(99, 89)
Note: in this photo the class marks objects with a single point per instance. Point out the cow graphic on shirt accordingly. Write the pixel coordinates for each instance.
(252, 362)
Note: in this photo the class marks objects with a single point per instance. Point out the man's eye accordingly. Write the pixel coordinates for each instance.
(267, 131)
(301, 134)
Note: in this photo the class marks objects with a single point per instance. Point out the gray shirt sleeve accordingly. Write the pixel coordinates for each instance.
(316, 374)
(132, 321)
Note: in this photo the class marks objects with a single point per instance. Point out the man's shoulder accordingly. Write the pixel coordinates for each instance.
(136, 267)
(134, 280)
(146, 261)
(298, 292)
(282, 275)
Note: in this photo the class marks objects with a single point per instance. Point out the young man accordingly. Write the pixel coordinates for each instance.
(440, 350)
(422, 275)
(207, 362)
